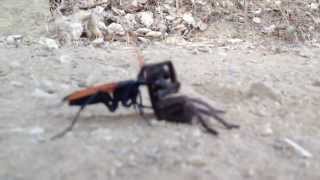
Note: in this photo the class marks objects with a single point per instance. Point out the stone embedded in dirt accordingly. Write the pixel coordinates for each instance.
(16, 84)
(196, 133)
(170, 18)
(144, 40)
(47, 86)
(39, 93)
(189, 19)
(116, 29)
(154, 34)
(235, 41)
(98, 42)
(258, 11)
(48, 43)
(314, 6)
(266, 131)
(36, 131)
(75, 30)
(15, 64)
(291, 30)
(12, 39)
(269, 29)
(146, 18)
(256, 20)
(204, 49)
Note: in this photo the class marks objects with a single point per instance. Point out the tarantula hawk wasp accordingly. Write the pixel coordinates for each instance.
(162, 84)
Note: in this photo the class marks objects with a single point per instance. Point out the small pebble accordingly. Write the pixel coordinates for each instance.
(36, 131)
(267, 131)
(41, 94)
(48, 43)
(16, 84)
(197, 161)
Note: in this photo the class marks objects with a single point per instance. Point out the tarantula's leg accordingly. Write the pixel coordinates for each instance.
(206, 105)
(211, 112)
(205, 125)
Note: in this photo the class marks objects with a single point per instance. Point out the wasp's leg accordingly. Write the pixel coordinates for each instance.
(206, 105)
(75, 119)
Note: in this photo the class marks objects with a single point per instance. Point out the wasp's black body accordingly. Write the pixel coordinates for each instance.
(126, 93)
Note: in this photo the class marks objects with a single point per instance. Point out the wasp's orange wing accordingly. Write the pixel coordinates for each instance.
(108, 88)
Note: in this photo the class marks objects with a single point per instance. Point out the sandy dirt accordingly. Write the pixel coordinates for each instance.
(272, 90)
(271, 95)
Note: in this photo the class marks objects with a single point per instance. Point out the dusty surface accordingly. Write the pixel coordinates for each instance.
(272, 91)
(260, 89)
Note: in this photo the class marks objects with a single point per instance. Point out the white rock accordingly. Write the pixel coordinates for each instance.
(267, 131)
(170, 18)
(256, 20)
(75, 30)
(134, 3)
(278, 3)
(16, 83)
(146, 18)
(48, 43)
(13, 39)
(154, 34)
(36, 131)
(98, 41)
(291, 29)
(115, 28)
(102, 26)
(235, 41)
(197, 132)
(144, 40)
(142, 1)
(188, 18)
(41, 94)
(47, 86)
(270, 29)
(314, 6)
(64, 59)
(15, 64)
(258, 11)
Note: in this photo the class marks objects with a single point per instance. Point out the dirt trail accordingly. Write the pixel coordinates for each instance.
(272, 95)
(272, 90)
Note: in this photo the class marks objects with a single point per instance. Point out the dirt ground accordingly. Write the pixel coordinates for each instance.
(272, 95)
(271, 89)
